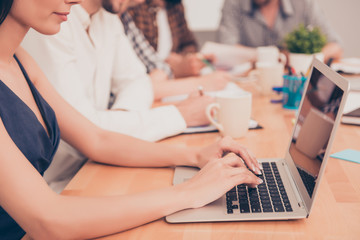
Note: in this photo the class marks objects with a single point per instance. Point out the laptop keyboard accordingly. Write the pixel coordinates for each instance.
(270, 196)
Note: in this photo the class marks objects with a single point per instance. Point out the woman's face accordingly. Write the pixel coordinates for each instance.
(45, 16)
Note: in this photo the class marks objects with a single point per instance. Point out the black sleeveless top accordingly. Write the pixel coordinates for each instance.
(29, 136)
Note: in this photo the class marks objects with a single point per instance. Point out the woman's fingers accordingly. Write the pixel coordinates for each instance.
(237, 171)
(217, 177)
(241, 175)
(230, 145)
(244, 176)
(233, 160)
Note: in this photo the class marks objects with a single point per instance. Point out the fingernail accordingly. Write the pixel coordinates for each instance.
(253, 168)
(260, 166)
(259, 172)
(260, 181)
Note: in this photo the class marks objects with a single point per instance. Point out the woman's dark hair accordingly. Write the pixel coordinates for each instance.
(173, 1)
(5, 6)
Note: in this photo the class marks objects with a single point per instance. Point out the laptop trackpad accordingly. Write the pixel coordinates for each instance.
(183, 174)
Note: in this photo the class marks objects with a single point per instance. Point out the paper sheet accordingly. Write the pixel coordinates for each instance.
(352, 102)
(227, 56)
(347, 65)
(348, 155)
(229, 88)
(211, 128)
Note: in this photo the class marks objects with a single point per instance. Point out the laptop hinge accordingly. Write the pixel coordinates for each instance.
(294, 186)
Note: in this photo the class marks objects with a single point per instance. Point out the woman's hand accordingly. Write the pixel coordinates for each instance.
(216, 178)
(224, 146)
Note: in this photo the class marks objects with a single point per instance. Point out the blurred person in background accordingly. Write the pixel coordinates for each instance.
(90, 59)
(160, 71)
(255, 23)
(164, 25)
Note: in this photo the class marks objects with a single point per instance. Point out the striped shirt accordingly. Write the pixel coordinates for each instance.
(142, 47)
(144, 16)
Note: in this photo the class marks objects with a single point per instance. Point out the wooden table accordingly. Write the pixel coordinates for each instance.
(336, 213)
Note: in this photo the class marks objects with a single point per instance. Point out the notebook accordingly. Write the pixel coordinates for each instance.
(290, 183)
(211, 128)
(352, 117)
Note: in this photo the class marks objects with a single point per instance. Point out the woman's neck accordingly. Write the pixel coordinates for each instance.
(11, 35)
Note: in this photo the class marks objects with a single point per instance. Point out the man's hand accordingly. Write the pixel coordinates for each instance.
(193, 109)
(187, 65)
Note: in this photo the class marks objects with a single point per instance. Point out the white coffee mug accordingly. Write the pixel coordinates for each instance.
(270, 54)
(232, 111)
(268, 75)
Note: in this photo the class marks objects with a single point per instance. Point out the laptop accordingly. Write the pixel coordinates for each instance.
(290, 184)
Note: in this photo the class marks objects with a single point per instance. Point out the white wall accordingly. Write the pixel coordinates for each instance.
(343, 15)
(203, 15)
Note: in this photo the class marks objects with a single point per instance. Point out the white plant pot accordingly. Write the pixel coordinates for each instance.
(301, 62)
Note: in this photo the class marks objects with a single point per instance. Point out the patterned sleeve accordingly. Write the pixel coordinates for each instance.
(142, 47)
(184, 41)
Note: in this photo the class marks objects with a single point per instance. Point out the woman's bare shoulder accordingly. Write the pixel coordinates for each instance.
(31, 67)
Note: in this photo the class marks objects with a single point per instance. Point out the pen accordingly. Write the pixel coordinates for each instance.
(291, 70)
(205, 61)
(329, 62)
(201, 90)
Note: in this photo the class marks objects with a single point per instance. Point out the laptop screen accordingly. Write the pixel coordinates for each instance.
(315, 123)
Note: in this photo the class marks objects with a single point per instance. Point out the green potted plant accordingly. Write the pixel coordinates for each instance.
(303, 43)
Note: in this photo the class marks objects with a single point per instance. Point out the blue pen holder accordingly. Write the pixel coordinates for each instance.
(292, 91)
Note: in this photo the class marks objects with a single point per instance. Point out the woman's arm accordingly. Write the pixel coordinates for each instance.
(96, 143)
(45, 215)
(109, 147)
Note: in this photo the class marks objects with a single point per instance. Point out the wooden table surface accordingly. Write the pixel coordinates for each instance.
(335, 215)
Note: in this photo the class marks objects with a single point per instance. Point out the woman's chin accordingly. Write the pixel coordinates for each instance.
(49, 30)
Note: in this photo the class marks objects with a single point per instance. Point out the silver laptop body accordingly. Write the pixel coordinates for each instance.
(302, 168)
